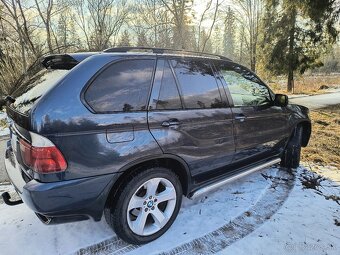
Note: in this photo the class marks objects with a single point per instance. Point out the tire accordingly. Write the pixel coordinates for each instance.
(292, 153)
(140, 200)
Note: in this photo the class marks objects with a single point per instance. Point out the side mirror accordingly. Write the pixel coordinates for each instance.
(281, 100)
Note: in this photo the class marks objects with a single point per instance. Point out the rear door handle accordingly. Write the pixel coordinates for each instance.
(240, 117)
(171, 122)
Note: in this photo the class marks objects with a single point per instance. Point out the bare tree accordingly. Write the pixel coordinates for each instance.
(153, 21)
(205, 41)
(12, 9)
(179, 10)
(250, 15)
(46, 16)
(100, 21)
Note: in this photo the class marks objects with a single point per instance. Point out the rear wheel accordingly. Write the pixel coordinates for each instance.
(291, 155)
(146, 206)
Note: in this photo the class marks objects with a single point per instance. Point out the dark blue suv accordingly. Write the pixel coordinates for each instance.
(128, 131)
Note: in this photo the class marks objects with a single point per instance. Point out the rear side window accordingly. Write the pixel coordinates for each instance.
(198, 84)
(165, 94)
(122, 87)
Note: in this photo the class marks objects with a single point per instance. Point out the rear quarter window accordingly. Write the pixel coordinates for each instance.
(121, 87)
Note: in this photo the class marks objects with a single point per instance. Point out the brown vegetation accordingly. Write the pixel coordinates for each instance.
(324, 146)
(308, 84)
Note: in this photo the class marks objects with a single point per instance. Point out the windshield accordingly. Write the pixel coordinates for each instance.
(43, 81)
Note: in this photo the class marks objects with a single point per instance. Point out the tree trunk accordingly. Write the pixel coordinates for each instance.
(290, 85)
(253, 60)
(291, 56)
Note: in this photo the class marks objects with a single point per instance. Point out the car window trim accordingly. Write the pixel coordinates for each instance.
(165, 60)
(108, 65)
(219, 81)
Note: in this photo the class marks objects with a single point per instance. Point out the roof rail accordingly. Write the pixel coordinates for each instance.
(164, 51)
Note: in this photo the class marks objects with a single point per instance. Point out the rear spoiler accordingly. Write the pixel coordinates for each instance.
(19, 118)
(65, 61)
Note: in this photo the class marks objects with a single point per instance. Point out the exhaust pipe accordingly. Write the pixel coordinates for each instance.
(7, 199)
(60, 219)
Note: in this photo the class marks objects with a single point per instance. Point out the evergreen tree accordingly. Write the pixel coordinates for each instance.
(124, 39)
(296, 34)
(217, 40)
(142, 40)
(229, 34)
(242, 46)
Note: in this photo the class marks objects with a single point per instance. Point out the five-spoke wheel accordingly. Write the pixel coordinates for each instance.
(146, 206)
(151, 206)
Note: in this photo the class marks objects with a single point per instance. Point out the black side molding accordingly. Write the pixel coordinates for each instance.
(7, 199)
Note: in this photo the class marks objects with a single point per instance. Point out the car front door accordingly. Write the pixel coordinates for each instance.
(261, 128)
(189, 117)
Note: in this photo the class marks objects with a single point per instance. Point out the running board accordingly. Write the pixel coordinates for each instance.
(218, 184)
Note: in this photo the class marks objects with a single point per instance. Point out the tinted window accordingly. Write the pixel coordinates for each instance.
(198, 85)
(245, 88)
(168, 95)
(124, 86)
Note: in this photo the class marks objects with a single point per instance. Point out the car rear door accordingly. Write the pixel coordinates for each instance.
(189, 116)
(261, 128)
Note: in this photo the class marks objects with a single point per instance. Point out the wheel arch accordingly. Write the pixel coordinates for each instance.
(306, 132)
(172, 162)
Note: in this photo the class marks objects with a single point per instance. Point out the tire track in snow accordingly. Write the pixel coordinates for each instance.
(112, 246)
(243, 225)
(267, 205)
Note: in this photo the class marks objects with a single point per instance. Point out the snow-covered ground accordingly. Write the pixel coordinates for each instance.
(3, 130)
(268, 212)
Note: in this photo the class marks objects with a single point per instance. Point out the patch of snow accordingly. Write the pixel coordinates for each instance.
(3, 130)
(215, 210)
(305, 224)
(3, 115)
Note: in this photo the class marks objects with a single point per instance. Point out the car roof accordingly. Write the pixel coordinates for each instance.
(165, 51)
(69, 60)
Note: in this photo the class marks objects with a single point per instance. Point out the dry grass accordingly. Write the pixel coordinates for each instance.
(324, 146)
(307, 84)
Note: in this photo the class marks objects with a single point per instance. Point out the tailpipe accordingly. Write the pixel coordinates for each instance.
(60, 219)
(7, 199)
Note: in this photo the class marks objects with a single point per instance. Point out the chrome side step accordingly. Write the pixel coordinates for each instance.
(218, 184)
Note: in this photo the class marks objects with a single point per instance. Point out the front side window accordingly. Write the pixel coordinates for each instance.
(245, 88)
(198, 84)
(122, 87)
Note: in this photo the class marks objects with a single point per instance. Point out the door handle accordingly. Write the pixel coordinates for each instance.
(171, 122)
(240, 117)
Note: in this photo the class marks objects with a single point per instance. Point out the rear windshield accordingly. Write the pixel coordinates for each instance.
(41, 83)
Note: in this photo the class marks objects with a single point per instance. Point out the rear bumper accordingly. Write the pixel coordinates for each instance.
(64, 199)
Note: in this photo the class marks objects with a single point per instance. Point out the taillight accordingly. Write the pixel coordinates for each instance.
(45, 159)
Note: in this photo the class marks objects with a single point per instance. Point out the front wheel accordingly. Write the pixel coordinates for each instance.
(292, 154)
(146, 206)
